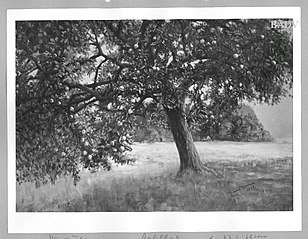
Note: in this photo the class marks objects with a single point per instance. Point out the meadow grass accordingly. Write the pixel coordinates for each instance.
(245, 185)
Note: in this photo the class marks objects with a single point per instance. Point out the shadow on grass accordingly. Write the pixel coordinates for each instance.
(244, 186)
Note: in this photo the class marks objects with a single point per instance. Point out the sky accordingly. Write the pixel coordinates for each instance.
(277, 119)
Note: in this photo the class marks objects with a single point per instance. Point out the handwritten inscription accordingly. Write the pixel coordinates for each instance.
(247, 187)
(172, 236)
(238, 236)
(250, 188)
(160, 236)
(144, 236)
(66, 237)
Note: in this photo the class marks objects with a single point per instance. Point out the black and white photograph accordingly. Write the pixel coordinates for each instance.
(172, 114)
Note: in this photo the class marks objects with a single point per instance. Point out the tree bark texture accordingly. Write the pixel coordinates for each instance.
(189, 157)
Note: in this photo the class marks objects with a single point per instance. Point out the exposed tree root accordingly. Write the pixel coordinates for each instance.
(204, 170)
(211, 170)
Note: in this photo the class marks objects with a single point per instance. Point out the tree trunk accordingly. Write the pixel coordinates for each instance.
(189, 157)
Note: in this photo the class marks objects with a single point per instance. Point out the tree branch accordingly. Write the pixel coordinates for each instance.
(85, 89)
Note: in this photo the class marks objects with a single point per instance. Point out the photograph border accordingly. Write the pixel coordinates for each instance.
(155, 221)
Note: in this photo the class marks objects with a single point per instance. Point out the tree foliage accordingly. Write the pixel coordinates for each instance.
(81, 84)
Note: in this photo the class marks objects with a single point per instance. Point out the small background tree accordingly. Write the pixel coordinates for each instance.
(240, 125)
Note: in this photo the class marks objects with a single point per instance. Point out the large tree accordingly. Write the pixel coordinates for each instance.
(81, 84)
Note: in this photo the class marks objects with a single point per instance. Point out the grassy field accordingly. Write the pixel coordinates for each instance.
(255, 176)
